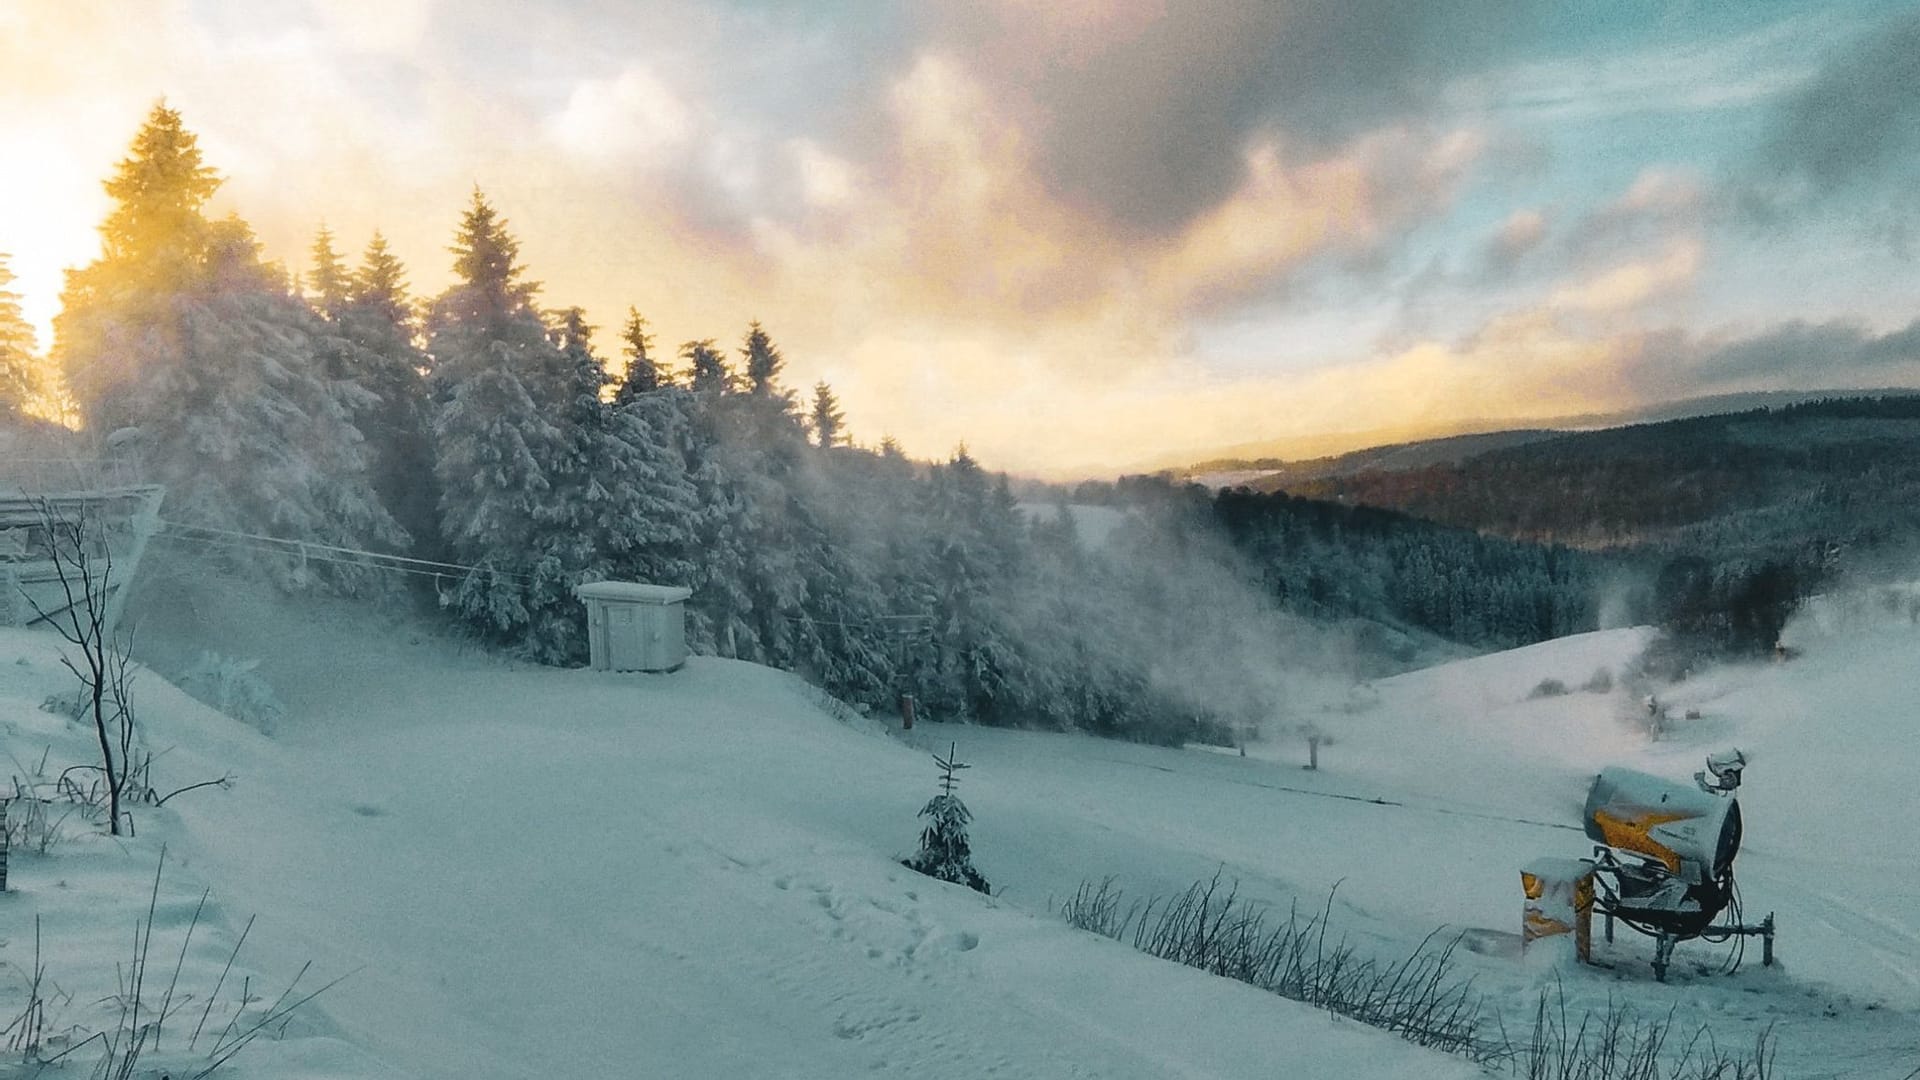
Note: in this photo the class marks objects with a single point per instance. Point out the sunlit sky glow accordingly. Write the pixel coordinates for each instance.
(1078, 237)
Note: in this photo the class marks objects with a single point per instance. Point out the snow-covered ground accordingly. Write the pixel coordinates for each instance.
(532, 872)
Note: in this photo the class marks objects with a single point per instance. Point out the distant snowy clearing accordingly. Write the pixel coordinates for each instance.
(1094, 525)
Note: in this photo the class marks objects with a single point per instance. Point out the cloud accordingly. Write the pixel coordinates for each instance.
(1661, 202)
(627, 119)
(1285, 214)
(1145, 110)
(955, 225)
(1522, 232)
(1026, 225)
(1643, 247)
(1839, 354)
(390, 27)
(1633, 284)
(1855, 123)
(1711, 59)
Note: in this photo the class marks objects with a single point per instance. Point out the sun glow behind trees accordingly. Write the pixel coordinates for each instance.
(482, 429)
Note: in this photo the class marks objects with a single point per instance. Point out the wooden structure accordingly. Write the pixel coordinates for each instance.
(635, 627)
(117, 523)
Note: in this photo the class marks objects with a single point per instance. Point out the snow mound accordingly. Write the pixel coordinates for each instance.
(1500, 679)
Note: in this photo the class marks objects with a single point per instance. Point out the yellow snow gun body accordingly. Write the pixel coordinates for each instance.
(1693, 833)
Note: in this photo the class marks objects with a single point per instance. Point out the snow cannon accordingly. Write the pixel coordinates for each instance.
(1693, 833)
(1664, 864)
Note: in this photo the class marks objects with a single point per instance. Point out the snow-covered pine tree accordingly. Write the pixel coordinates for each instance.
(763, 359)
(829, 422)
(756, 530)
(581, 528)
(487, 439)
(656, 539)
(504, 452)
(945, 851)
(643, 374)
(977, 566)
(377, 319)
(706, 367)
(847, 637)
(248, 431)
(117, 319)
(19, 376)
(735, 478)
(327, 276)
(180, 330)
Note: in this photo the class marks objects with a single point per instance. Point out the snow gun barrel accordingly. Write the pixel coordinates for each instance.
(1695, 834)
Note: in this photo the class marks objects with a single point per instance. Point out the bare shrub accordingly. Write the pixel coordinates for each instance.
(234, 687)
(1618, 1044)
(27, 1030)
(147, 1010)
(1549, 688)
(1210, 927)
(83, 566)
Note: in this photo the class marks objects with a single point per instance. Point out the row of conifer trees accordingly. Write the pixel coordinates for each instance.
(476, 428)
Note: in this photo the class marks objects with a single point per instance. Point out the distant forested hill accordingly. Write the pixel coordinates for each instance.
(1326, 560)
(1815, 480)
(1357, 564)
(1714, 526)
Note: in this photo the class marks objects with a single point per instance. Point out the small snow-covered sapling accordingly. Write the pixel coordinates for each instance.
(945, 851)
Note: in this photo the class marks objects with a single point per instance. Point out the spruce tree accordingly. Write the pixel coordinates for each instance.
(19, 376)
(945, 851)
(117, 322)
(763, 360)
(643, 375)
(180, 330)
(828, 420)
(492, 299)
(543, 485)
(654, 541)
(376, 319)
(328, 276)
(246, 428)
(706, 366)
(496, 435)
(976, 560)
(379, 287)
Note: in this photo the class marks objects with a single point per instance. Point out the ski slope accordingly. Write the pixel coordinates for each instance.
(538, 872)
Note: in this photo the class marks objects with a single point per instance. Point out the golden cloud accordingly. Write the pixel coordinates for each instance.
(937, 281)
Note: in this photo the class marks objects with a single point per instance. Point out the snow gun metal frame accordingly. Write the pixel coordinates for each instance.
(1663, 860)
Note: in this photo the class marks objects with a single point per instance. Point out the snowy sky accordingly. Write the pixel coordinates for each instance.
(1075, 236)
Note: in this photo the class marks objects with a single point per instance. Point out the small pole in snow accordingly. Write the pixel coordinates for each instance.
(1315, 736)
(4, 835)
(906, 712)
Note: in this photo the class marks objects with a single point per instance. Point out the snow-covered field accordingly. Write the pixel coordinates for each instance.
(533, 872)
(1093, 525)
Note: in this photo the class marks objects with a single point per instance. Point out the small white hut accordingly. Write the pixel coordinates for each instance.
(635, 627)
